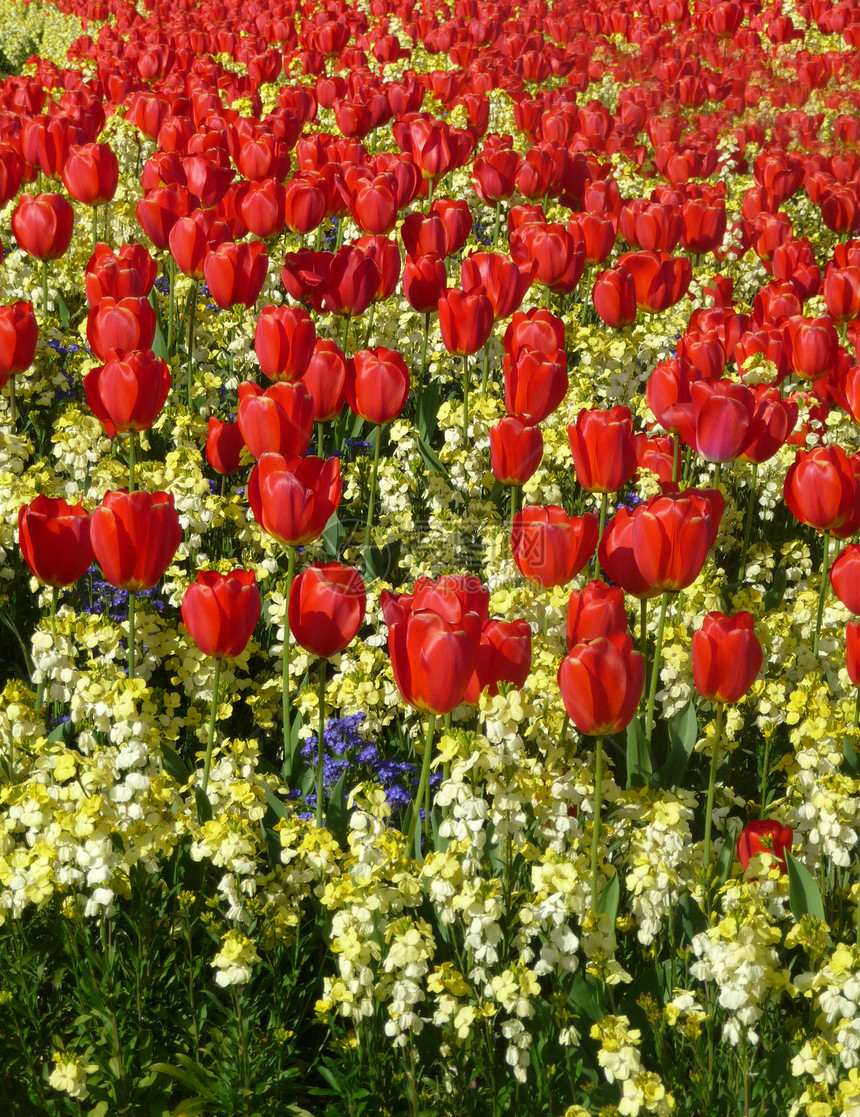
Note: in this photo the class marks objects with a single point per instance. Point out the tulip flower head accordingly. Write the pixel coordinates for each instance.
(221, 611)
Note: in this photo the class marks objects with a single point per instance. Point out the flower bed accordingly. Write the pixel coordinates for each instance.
(428, 475)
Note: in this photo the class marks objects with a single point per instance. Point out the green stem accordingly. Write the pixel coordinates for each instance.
(595, 830)
(345, 335)
(429, 194)
(213, 716)
(132, 601)
(285, 658)
(748, 522)
(516, 503)
(13, 405)
(498, 224)
(562, 741)
(712, 783)
(822, 592)
(604, 505)
(55, 597)
(765, 773)
(465, 399)
(373, 483)
(171, 302)
(676, 456)
(424, 781)
(320, 438)
(655, 669)
(419, 387)
(717, 475)
(45, 288)
(369, 329)
(486, 369)
(95, 226)
(132, 448)
(321, 744)
(338, 241)
(189, 376)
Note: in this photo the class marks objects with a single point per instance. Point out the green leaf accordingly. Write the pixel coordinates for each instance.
(65, 318)
(638, 757)
(773, 598)
(174, 765)
(336, 819)
(588, 998)
(276, 806)
(428, 409)
(432, 461)
(693, 919)
(159, 342)
(380, 562)
(273, 846)
(204, 807)
(683, 732)
(64, 732)
(191, 1075)
(849, 756)
(609, 899)
(333, 536)
(804, 897)
(724, 861)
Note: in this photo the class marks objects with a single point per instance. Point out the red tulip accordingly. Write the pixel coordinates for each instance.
(304, 204)
(224, 444)
(91, 173)
(601, 683)
(535, 383)
(325, 379)
(127, 393)
(42, 226)
(504, 283)
(327, 604)
(457, 220)
(661, 545)
(263, 208)
(845, 577)
(433, 659)
(135, 536)
(516, 449)
(852, 651)
(614, 297)
(294, 503)
(277, 421)
(819, 487)
(604, 455)
(120, 326)
(54, 538)
(425, 235)
(842, 293)
(504, 656)
(19, 333)
(284, 341)
(377, 384)
(722, 413)
(127, 273)
(424, 282)
(221, 611)
(773, 420)
(352, 282)
(235, 273)
(727, 657)
(550, 547)
(159, 210)
(465, 320)
(764, 836)
(813, 346)
(595, 610)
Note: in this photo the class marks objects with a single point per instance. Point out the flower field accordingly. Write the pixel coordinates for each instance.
(429, 477)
